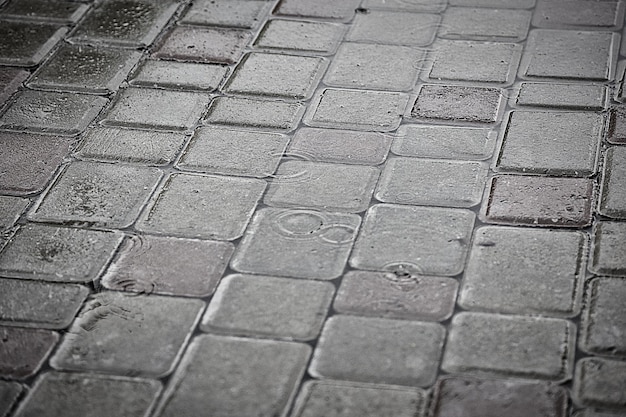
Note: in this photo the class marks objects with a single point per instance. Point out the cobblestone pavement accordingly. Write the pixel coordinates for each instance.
(312, 208)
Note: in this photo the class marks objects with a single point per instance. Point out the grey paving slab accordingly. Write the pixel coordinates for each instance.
(344, 399)
(505, 4)
(379, 111)
(550, 142)
(223, 376)
(396, 295)
(9, 393)
(11, 208)
(28, 162)
(608, 254)
(591, 413)
(332, 187)
(600, 383)
(233, 152)
(297, 243)
(575, 14)
(429, 182)
(538, 201)
(525, 271)
(25, 44)
(276, 75)
(443, 142)
(44, 10)
(394, 28)
(526, 347)
(317, 8)
(106, 195)
(139, 335)
(617, 125)
(265, 114)
(429, 240)
(298, 35)
(43, 305)
(358, 349)
(340, 146)
(10, 80)
(493, 398)
(23, 351)
(484, 24)
(612, 196)
(179, 75)
(205, 207)
(406, 5)
(51, 112)
(560, 95)
(252, 305)
(167, 265)
(53, 253)
(57, 394)
(228, 13)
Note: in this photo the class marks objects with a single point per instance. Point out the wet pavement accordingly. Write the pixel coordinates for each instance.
(312, 208)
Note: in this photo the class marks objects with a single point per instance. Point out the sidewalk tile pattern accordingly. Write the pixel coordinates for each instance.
(179, 75)
(558, 95)
(608, 256)
(600, 383)
(25, 44)
(484, 24)
(23, 351)
(299, 35)
(9, 393)
(44, 10)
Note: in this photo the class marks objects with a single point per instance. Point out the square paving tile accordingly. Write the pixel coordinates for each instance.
(617, 125)
(358, 349)
(23, 351)
(11, 208)
(45, 10)
(406, 5)
(505, 4)
(600, 383)
(525, 271)
(485, 24)
(206, 207)
(9, 393)
(560, 95)
(128, 334)
(612, 193)
(239, 111)
(297, 243)
(252, 305)
(297, 35)
(234, 152)
(324, 186)
(167, 265)
(519, 346)
(576, 14)
(25, 44)
(57, 254)
(317, 8)
(426, 240)
(10, 80)
(173, 75)
(394, 28)
(228, 13)
(608, 254)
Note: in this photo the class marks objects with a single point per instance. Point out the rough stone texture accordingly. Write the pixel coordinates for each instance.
(39, 304)
(424, 240)
(296, 35)
(444, 142)
(206, 207)
(600, 383)
(590, 413)
(457, 103)
(252, 305)
(527, 347)
(617, 125)
(394, 28)
(179, 75)
(573, 14)
(22, 351)
(358, 349)
(406, 5)
(226, 376)
(396, 295)
(45, 10)
(11, 208)
(25, 44)
(539, 201)
(484, 24)
(524, 271)
(10, 80)
(317, 8)
(235, 111)
(296, 243)
(128, 334)
(612, 194)
(9, 393)
(57, 254)
(505, 4)
(608, 255)
(227, 13)
(567, 96)
(165, 265)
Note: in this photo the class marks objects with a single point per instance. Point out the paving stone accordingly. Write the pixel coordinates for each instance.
(359, 349)
(406, 5)
(45, 10)
(105, 195)
(50, 112)
(572, 14)
(612, 194)
(237, 111)
(600, 383)
(608, 255)
(111, 144)
(354, 109)
(206, 207)
(385, 67)
(274, 75)
(493, 398)
(424, 240)
(296, 243)
(85, 68)
(484, 24)
(539, 201)
(57, 394)
(524, 271)
(179, 75)
(334, 187)
(504, 4)
(25, 44)
(540, 61)
(152, 108)
(343, 399)
(431, 182)
(167, 265)
(590, 413)
(400, 295)
(127, 23)
(229, 13)
(568, 96)
(23, 351)
(617, 125)
(457, 103)
(57, 254)
(394, 28)
(10, 80)
(39, 304)
(233, 152)
(318, 8)
(226, 376)
(11, 208)
(9, 393)
(252, 305)
(342, 146)
(298, 35)
(550, 142)
(28, 162)
(142, 335)
(443, 142)
(204, 45)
